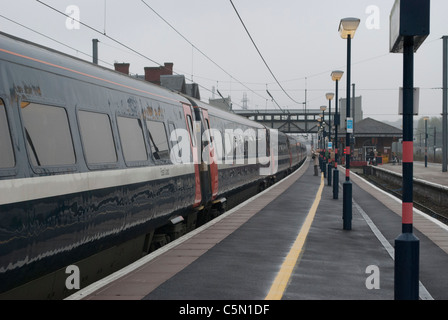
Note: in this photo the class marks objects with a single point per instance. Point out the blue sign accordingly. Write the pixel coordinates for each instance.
(349, 125)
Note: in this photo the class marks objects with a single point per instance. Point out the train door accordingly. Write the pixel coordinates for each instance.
(212, 163)
(194, 149)
(270, 161)
(288, 144)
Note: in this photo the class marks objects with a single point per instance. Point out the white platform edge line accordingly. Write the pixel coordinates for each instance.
(424, 215)
(423, 292)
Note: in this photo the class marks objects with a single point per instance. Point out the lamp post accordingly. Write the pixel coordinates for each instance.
(320, 143)
(347, 29)
(435, 139)
(336, 77)
(445, 106)
(318, 133)
(323, 108)
(329, 97)
(426, 141)
(409, 27)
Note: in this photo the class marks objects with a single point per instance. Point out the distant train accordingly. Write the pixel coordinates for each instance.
(89, 168)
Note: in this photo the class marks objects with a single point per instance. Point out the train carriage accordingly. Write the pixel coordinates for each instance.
(85, 165)
(87, 168)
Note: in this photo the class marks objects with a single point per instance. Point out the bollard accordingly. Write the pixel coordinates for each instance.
(335, 183)
(407, 254)
(324, 168)
(347, 205)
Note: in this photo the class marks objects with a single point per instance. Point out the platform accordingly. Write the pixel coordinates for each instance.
(432, 173)
(288, 240)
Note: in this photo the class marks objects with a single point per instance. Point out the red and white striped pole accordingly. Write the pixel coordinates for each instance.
(407, 202)
(407, 245)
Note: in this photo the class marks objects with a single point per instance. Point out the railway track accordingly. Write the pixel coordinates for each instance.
(420, 203)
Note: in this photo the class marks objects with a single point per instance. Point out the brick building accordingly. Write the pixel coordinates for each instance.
(372, 138)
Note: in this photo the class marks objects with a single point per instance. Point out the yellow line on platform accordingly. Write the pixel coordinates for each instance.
(283, 276)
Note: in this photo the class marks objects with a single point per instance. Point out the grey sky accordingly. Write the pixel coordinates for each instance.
(298, 39)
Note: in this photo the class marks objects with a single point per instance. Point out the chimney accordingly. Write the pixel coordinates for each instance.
(169, 68)
(122, 67)
(152, 74)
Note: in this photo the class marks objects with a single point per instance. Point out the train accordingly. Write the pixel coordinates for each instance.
(94, 163)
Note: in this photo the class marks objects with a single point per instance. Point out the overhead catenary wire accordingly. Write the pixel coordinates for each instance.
(52, 39)
(262, 58)
(111, 38)
(354, 63)
(199, 50)
(275, 101)
(102, 33)
(254, 91)
(127, 46)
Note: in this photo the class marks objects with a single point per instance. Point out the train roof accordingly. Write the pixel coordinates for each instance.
(225, 114)
(23, 52)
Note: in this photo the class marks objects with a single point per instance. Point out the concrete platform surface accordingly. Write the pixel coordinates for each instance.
(432, 173)
(241, 255)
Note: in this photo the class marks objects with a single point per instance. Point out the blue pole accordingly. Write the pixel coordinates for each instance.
(347, 186)
(336, 171)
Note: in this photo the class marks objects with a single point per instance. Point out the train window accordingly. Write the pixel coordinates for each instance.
(6, 153)
(172, 131)
(131, 137)
(229, 145)
(190, 128)
(97, 138)
(158, 140)
(209, 130)
(173, 135)
(47, 132)
(239, 146)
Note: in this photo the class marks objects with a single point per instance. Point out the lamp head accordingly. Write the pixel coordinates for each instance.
(329, 96)
(337, 75)
(348, 26)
